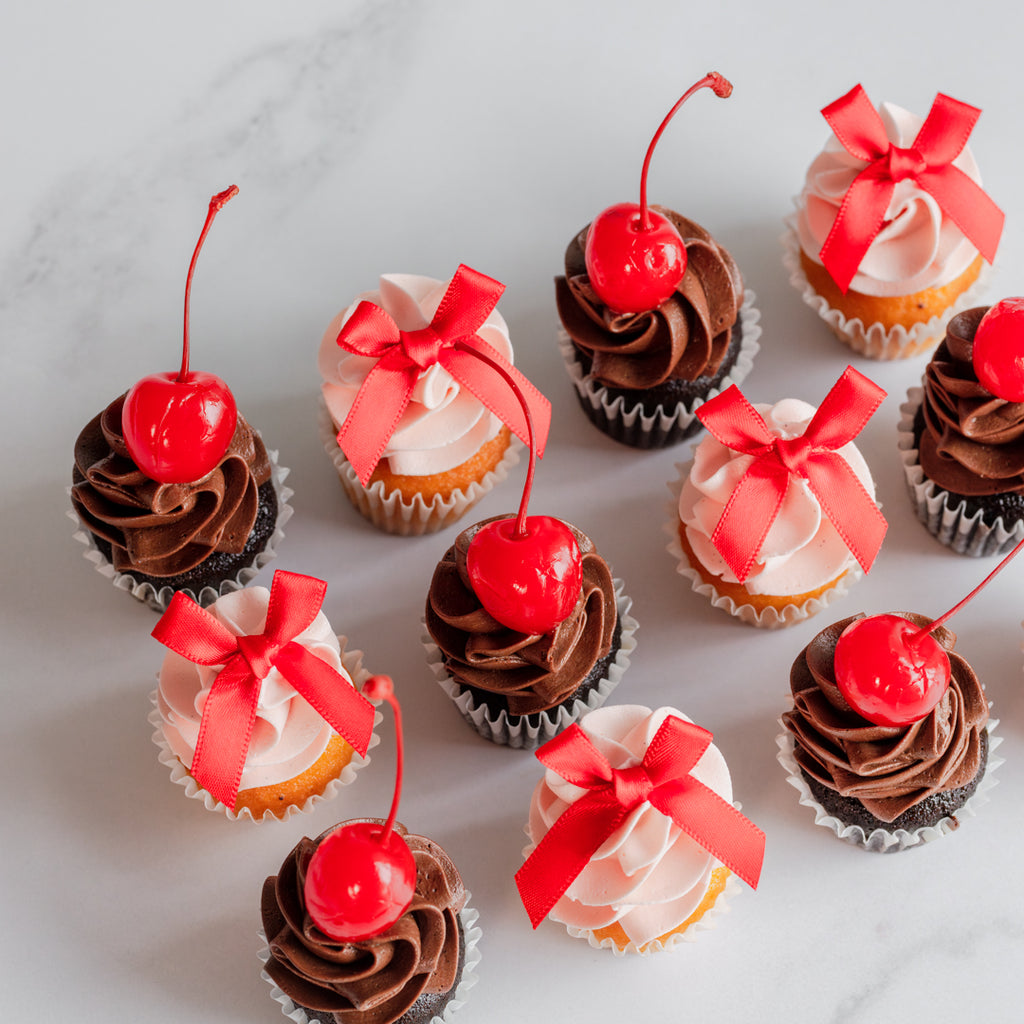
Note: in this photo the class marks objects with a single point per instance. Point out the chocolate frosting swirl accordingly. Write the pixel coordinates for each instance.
(377, 980)
(888, 769)
(686, 337)
(972, 443)
(165, 529)
(532, 672)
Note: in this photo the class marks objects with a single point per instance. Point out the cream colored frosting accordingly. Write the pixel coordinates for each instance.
(918, 247)
(444, 423)
(288, 736)
(649, 876)
(802, 551)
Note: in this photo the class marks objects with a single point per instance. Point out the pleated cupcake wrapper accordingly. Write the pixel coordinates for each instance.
(470, 930)
(765, 618)
(873, 340)
(882, 840)
(664, 427)
(948, 523)
(352, 661)
(516, 730)
(391, 512)
(158, 598)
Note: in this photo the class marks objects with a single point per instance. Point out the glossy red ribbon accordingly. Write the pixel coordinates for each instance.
(450, 340)
(230, 710)
(663, 780)
(754, 504)
(929, 162)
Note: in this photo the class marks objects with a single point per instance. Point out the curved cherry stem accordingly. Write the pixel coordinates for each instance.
(532, 464)
(216, 205)
(722, 87)
(382, 688)
(942, 619)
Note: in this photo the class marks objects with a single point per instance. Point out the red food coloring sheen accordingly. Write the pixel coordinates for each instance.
(178, 426)
(998, 350)
(362, 877)
(635, 257)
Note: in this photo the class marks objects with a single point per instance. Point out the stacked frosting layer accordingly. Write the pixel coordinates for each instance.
(888, 769)
(377, 980)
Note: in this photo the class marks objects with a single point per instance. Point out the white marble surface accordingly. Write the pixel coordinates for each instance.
(392, 135)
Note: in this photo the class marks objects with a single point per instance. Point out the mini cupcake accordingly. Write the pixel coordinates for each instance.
(409, 419)
(257, 712)
(892, 225)
(173, 489)
(886, 764)
(655, 317)
(962, 436)
(776, 514)
(633, 834)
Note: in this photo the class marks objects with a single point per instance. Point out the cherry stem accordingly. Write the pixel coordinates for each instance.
(520, 531)
(382, 688)
(942, 619)
(722, 87)
(216, 205)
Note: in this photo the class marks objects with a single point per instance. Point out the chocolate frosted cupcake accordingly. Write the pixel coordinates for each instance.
(640, 376)
(963, 450)
(884, 787)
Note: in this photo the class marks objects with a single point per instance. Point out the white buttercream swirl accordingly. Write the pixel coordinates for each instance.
(444, 423)
(288, 736)
(802, 551)
(649, 876)
(918, 247)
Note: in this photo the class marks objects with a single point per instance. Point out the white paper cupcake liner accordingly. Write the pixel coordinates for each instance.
(517, 730)
(882, 840)
(352, 661)
(391, 512)
(873, 340)
(664, 427)
(764, 618)
(948, 523)
(158, 598)
(470, 930)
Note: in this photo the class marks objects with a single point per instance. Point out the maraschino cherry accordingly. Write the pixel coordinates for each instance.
(998, 350)
(635, 257)
(362, 877)
(891, 671)
(177, 426)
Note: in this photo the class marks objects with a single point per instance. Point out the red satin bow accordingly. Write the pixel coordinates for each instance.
(230, 710)
(754, 504)
(662, 779)
(929, 162)
(449, 340)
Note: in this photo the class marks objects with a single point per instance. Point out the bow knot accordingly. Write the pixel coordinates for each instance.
(422, 346)
(904, 163)
(632, 785)
(259, 653)
(793, 452)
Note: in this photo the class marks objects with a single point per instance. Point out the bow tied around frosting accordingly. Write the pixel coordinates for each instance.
(229, 713)
(662, 779)
(813, 456)
(928, 162)
(450, 341)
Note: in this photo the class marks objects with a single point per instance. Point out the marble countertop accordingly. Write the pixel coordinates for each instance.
(394, 135)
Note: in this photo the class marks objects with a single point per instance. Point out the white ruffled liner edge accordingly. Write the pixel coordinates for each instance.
(516, 730)
(949, 524)
(470, 930)
(874, 341)
(766, 618)
(680, 417)
(881, 840)
(352, 661)
(392, 513)
(159, 600)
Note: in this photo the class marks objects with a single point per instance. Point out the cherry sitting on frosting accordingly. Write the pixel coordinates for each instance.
(178, 426)
(362, 877)
(635, 257)
(998, 350)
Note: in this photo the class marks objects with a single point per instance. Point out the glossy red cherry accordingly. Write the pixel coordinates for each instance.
(889, 670)
(998, 350)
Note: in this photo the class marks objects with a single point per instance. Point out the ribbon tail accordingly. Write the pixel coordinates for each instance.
(860, 218)
(194, 633)
(967, 205)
